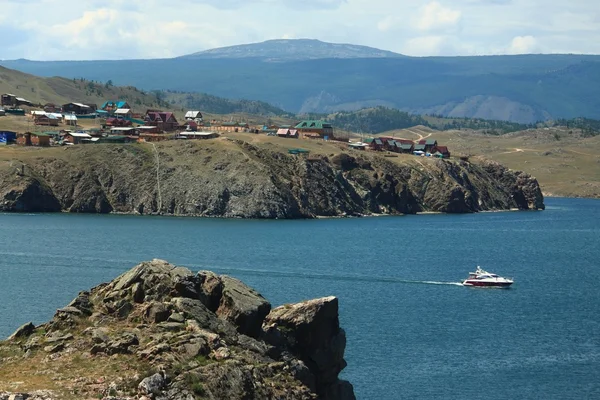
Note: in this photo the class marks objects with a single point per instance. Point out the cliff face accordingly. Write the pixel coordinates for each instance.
(162, 332)
(229, 178)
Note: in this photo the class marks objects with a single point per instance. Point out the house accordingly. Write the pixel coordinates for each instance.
(406, 147)
(76, 137)
(123, 112)
(52, 108)
(441, 151)
(12, 100)
(77, 108)
(198, 135)
(287, 133)
(8, 99)
(46, 119)
(357, 146)
(230, 126)
(191, 126)
(376, 144)
(113, 121)
(318, 127)
(193, 116)
(419, 147)
(429, 144)
(122, 130)
(70, 119)
(110, 106)
(164, 121)
(33, 139)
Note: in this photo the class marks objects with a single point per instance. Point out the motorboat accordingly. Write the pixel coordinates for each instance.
(481, 278)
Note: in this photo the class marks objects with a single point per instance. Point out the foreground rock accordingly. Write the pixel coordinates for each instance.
(236, 179)
(161, 332)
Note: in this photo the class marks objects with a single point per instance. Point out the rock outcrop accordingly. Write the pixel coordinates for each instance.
(226, 178)
(161, 332)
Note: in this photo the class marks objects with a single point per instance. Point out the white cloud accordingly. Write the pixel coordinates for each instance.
(434, 16)
(100, 29)
(523, 45)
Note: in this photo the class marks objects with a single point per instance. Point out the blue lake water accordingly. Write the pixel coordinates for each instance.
(412, 333)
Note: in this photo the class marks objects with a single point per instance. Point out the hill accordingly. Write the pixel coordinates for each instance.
(60, 90)
(523, 89)
(294, 49)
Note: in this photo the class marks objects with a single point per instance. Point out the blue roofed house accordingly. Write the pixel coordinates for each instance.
(111, 106)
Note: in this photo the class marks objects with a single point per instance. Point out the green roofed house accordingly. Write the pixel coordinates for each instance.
(315, 129)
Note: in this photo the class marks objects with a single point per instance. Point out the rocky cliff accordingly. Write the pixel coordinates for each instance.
(161, 332)
(233, 178)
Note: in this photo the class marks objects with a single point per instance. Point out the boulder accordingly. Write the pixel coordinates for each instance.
(157, 312)
(211, 289)
(311, 331)
(23, 331)
(242, 306)
(152, 385)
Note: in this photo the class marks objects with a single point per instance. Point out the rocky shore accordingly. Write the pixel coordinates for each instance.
(162, 332)
(236, 179)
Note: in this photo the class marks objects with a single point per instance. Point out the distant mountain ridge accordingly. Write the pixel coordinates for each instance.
(294, 49)
(311, 76)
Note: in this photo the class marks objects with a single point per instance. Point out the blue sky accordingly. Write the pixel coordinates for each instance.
(119, 29)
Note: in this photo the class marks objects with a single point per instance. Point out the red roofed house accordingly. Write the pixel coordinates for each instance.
(441, 151)
(164, 121)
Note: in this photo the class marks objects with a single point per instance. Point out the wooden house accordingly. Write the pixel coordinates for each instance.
(287, 133)
(77, 108)
(76, 137)
(111, 106)
(70, 119)
(193, 116)
(230, 126)
(419, 147)
(319, 127)
(376, 144)
(123, 112)
(8, 99)
(429, 144)
(46, 119)
(164, 121)
(33, 139)
(441, 151)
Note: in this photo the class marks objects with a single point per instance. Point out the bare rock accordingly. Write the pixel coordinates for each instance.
(311, 331)
(23, 331)
(157, 312)
(211, 289)
(242, 306)
(152, 385)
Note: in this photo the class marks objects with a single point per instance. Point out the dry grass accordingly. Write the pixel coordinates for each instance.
(565, 164)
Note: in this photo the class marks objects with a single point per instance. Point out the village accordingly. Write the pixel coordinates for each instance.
(116, 122)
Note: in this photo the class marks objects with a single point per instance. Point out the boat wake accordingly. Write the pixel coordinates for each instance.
(440, 283)
(335, 277)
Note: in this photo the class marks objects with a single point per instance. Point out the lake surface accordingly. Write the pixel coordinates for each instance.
(412, 331)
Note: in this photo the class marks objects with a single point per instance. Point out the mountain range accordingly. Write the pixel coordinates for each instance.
(304, 76)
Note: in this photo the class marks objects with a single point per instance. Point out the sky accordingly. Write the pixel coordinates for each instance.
(124, 29)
